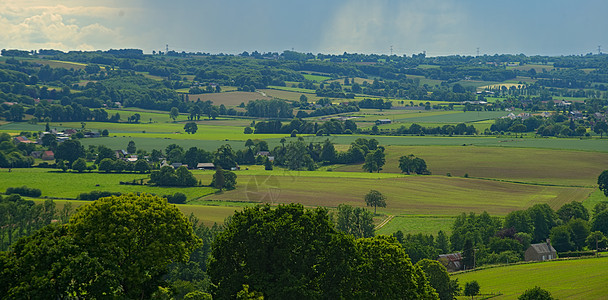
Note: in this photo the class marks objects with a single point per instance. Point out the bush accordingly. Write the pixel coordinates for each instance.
(94, 195)
(177, 198)
(24, 191)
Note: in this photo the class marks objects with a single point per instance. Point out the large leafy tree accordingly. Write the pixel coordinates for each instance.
(375, 199)
(412, 164)
(70, 150)
(115, 247)
(602, 182)
(573, 210)
(385, 272)
(190, 127)
(293, 253)
(544, 218)
(355, 220)
(439, 279)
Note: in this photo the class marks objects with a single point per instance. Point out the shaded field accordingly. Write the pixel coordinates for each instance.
(567, 279)
(229, 98)
(426, 195)
(418, 224)
(546, 166)
(70, 185)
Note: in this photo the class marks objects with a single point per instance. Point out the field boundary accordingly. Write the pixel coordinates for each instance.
(384, 222)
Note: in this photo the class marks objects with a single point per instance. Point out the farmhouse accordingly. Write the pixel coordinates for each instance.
(452, 261)
(540, 252)
(383, 121)
(22, 139)
(205, 166)
(48, 155)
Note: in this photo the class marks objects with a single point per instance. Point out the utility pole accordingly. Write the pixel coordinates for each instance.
(391, 50)
(167, 49)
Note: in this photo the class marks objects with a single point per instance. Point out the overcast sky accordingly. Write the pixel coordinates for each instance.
(439, 27)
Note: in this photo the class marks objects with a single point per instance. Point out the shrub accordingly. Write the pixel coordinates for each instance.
(177, 198)
(24, 191)
(94, 195)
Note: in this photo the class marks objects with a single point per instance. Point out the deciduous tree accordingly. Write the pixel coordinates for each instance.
(375, 199)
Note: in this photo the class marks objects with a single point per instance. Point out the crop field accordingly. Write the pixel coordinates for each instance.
(290, 95)
(291, 89)
(426, 195)
(229, 98)
(455, 117)
(497, 141)
(544, 166)
(564, 279)
(418, 224)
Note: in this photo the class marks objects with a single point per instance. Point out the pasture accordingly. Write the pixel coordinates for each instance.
(69, 185)
(564, 279)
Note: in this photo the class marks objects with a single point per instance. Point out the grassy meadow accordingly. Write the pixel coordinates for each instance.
(564, 279)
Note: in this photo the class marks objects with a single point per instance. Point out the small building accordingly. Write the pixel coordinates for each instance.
(452, 261)
(205, 166)
(22, 139)
(36, 154)
(540, 252)
(48, 155)
(177, 165)
(70, 131)
(383, 121)
(263, 153)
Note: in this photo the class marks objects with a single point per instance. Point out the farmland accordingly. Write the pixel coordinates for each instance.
(567, 279)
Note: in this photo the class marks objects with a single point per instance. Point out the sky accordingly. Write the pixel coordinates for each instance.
(438, 27)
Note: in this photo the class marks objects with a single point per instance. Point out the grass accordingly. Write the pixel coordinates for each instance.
(567, 279)
(418, 224)
(317, 78)
(70, 185)
(539, 166)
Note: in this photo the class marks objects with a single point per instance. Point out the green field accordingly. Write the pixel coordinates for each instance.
(418, 224)
(317, 78)
(69, 185)
(566, 279)
(543, 166)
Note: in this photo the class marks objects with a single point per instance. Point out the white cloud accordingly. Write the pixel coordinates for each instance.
(49, 30)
